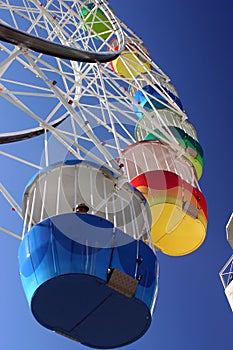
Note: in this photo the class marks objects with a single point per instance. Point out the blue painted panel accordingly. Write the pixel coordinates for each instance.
(66, 282)
(35, 246)
(140, 98)
(46, 252)
(89, 230)
(64, 301)
(116, 322)
(138, 261)
(49, 250)
(148, 275)
(85, 308)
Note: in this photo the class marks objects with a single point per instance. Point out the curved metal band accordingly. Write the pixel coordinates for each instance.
(19, 38)
(27, 134)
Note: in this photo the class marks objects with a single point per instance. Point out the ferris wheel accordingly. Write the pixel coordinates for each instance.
(106, 161)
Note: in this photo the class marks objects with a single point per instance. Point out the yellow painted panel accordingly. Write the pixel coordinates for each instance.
(130, 66)
(174, 232)
(174, 195)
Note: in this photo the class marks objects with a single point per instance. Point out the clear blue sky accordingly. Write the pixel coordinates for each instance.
(191, 40)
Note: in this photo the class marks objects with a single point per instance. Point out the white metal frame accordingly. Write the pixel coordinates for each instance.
(73, 89)
(226, 273)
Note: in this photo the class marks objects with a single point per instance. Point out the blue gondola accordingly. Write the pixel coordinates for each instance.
(83, 276)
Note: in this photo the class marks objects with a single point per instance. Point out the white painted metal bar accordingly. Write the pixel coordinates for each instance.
(114, 209)
(91, 192)
(32, 209)
(7, 61)
(123, 213)
(10, 233)
(25, 225)
(85, 126)
(169, 136)
(135, 221)
(164, 157)
(46, 151)
(105, 199)
(222, 271)
(147, 168)
(132, 221)
(135, 164)
(11, 200)
(109, 113)
(43, 201)
(58, 191)
(63, 139)
(20, 160)
(126, 168)
(75, 187)
(102, 123)
(156, 160)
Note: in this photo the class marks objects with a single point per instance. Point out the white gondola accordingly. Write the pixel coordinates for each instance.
(60, 188)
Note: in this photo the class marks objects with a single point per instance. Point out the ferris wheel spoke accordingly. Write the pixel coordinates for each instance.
(10, 233)
(9, 155)
(47, 67)
(22, 11)
(83, 124)
(74, 145)
(6, 63)
(86, 111)
(65, 82)
(98, 92)
(118, 89)
(67, 142)
(41, 90)
(113, 144)
(11, 200)
(129, 32)
(76, 138)
(108, 109)
(52, 26)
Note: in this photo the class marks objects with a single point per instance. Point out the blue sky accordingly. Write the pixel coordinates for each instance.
(192, 42)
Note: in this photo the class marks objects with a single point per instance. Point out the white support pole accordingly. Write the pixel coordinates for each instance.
(11, 200)
(84, 125)
(10, 233)
(5, 63)
(20, 160)
(65, 141)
